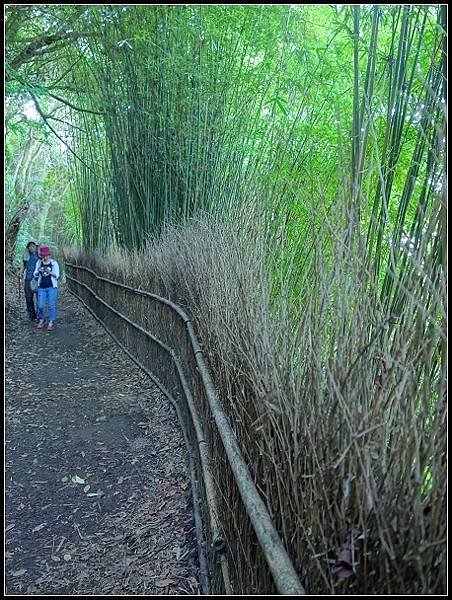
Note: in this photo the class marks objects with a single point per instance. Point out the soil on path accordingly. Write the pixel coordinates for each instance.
(98, 496)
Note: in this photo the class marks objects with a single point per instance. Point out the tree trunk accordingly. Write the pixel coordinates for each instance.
(22, 201)
(12, 231)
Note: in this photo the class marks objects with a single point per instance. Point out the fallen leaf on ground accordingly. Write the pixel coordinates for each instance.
(164, 582)
(77, 479)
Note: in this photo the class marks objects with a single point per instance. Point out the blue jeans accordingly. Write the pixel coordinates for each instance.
(47, 295)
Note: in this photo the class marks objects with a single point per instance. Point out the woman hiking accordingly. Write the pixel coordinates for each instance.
(47, 273)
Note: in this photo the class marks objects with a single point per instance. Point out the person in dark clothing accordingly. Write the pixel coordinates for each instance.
(30, 258)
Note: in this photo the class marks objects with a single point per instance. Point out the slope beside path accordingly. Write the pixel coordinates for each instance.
(97, 490)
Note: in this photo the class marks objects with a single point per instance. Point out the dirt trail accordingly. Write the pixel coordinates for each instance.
(98, 496)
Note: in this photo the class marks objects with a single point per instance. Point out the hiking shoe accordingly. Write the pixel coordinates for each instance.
(50, 326)
(41, 323)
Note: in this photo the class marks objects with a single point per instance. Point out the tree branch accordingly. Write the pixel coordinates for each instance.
(43, 116)
(43, 46)
(92, 112)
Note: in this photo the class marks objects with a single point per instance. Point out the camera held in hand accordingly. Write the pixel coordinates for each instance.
(45, 271)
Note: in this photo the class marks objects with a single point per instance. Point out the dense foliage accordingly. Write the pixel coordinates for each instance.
(320, 130)
(178, 109)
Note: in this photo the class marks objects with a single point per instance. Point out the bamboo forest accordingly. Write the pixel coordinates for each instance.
(225, 299)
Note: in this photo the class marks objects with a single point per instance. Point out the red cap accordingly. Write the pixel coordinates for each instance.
(45, 251)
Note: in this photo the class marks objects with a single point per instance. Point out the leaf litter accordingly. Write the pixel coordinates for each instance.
(131, 530)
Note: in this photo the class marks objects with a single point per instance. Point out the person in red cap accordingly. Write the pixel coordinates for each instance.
(47, 273)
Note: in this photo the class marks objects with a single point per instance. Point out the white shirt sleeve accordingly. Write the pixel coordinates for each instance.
(56, 269)
(38, 265)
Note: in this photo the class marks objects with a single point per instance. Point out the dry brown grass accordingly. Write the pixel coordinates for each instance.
(339, 408)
